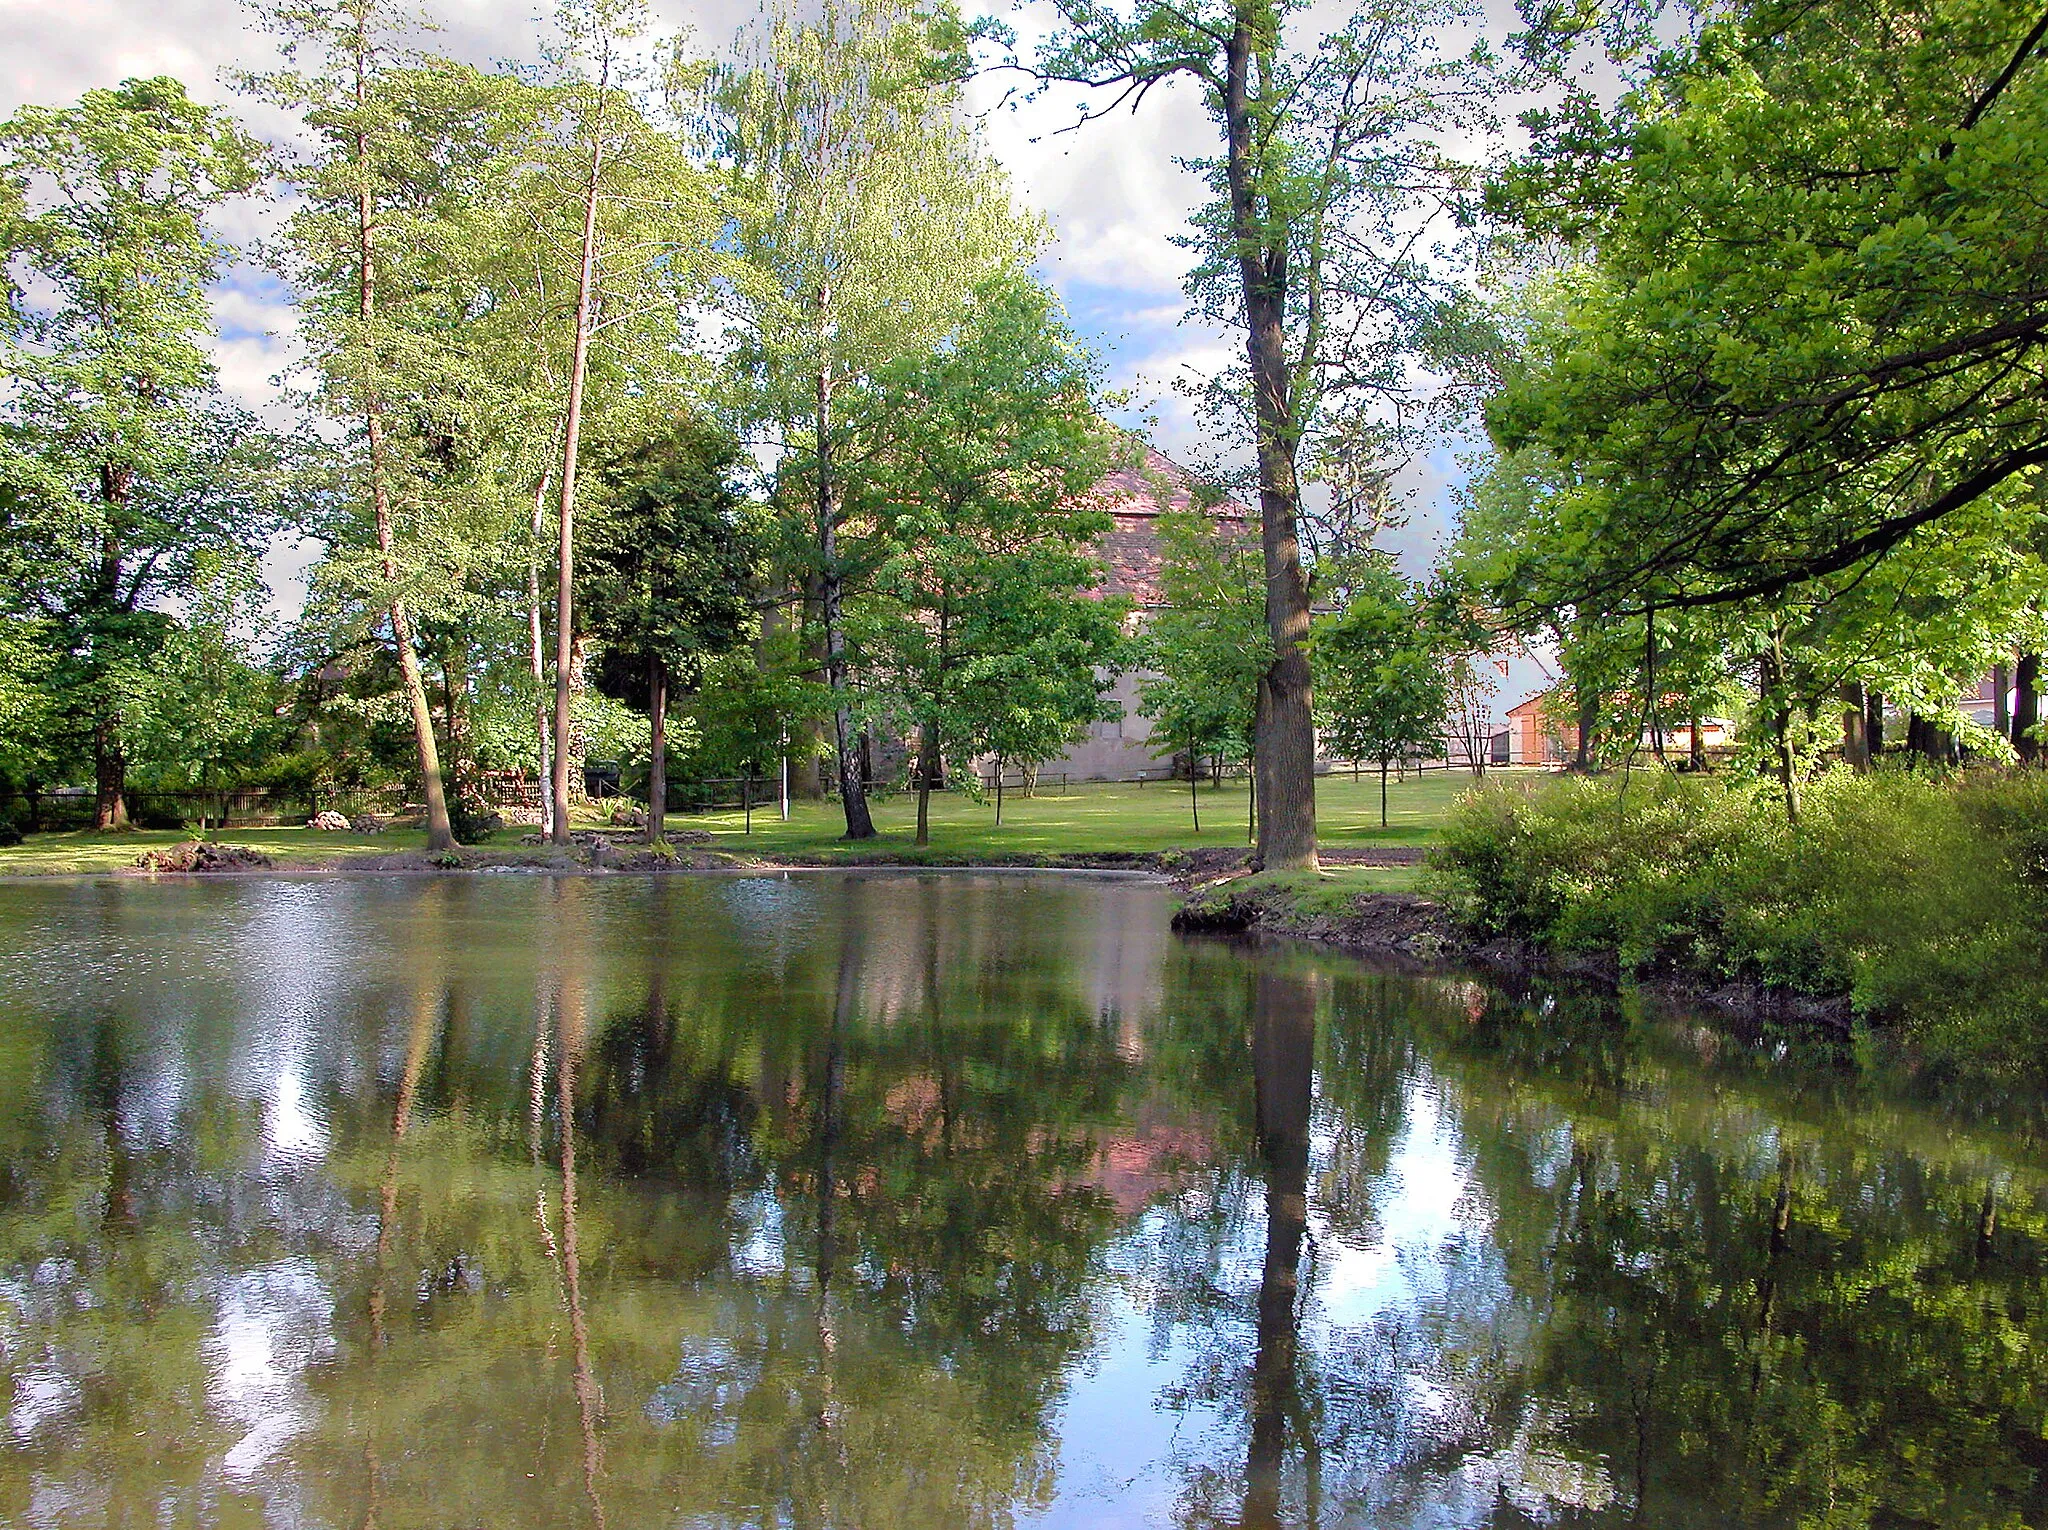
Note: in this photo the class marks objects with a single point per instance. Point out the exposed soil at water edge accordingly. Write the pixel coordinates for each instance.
(1411, 927)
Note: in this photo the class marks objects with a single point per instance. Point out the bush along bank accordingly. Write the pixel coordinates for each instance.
(1919, 906)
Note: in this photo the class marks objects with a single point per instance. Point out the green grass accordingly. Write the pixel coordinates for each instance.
(84, 850)
(1087, 819)
(1331, 890)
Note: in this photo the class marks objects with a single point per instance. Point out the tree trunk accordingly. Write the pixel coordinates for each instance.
(1251, 797)
(1589, 722)
(1383, 794)
(1779, 708)
(1284, 729)
(109, 772)
(536, 656)
(2001, 700)
(927, 767)
(1652, 702)
(1696, 743)
(999, 789)
(657, 750)
(1855, 740)
(853, 796)
(1283, 1080)
(109, 757)
(565, 545)
(810, 781)
(1873, 723)
(440, 836)
(1194, 785)
(2026, 707)
(1927, 740)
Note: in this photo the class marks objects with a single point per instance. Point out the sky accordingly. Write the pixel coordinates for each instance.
(1112, 192)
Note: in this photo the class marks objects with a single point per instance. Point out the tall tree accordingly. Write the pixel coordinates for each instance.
(370, 192)
(875, 218)
(1384, 688)
(981, 620)
(668, 574)
(1329, 166)
(1208, 646)
(120, 467)
(643, 225)
(619, 240)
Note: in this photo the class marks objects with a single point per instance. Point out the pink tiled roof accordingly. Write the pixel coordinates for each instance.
(1133, 497)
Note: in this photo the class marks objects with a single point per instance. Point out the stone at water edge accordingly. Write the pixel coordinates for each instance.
(203, 855)
(328, 822)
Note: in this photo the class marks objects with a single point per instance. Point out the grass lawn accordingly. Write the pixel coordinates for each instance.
(1091, 818)
(1086, 819)
(83, 850)
(1330, 890)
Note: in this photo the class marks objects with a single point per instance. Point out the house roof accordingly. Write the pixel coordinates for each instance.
(1134, 497)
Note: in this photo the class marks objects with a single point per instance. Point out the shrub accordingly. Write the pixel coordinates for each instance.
(1920, 901)
(157, 814)
(471, 819)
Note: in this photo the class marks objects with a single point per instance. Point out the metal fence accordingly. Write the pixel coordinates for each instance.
(247, 807)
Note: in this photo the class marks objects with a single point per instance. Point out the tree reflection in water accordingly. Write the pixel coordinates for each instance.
(915, 1201)
(1283, 1072)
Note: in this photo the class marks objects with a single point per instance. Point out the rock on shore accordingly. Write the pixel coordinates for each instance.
(203, 855)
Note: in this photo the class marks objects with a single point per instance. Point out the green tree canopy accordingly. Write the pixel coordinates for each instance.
(1381, 680)
(668, 569)
(1808, 314)
(980, 626)
(123, 473)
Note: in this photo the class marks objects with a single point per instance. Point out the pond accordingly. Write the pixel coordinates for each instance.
(895, 1201)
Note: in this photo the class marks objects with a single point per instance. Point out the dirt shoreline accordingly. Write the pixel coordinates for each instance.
(625, 853)
(1414, 930)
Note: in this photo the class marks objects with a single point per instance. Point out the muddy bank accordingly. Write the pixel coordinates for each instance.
(1411, 928)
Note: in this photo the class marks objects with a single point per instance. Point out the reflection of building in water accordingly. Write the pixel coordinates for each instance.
(1148, 1157)
(1125, 956)
(917, 938)
(1149, 1160)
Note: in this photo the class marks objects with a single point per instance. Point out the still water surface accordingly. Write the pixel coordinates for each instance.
(897, 1202)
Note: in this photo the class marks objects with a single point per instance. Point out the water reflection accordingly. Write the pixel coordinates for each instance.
(951, 1201)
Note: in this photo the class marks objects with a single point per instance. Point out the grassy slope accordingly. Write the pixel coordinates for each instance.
(1088, 819)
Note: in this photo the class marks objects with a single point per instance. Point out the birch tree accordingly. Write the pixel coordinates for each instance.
(875, 218)
(621, 225)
